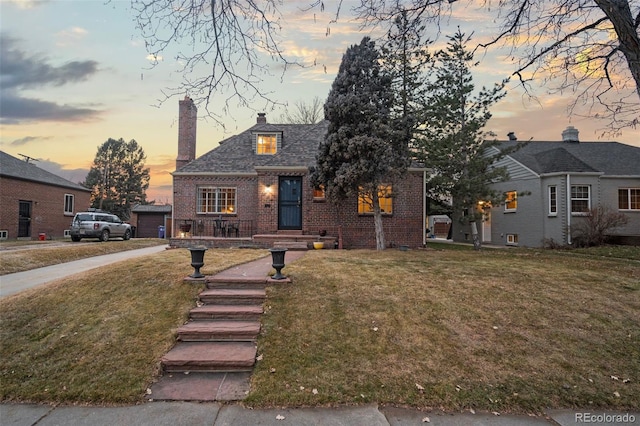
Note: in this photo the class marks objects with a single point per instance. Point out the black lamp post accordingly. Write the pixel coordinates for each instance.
(277, 256)
(197, 260)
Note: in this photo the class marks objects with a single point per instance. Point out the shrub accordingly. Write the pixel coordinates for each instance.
(595, 227)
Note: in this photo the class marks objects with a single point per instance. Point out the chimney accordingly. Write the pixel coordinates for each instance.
(187, 119)
(512, 136)
(570, 134)
(262, 118)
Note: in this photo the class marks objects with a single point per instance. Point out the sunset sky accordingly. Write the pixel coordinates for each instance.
(75, 73)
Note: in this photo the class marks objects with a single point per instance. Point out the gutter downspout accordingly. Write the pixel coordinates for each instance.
(424, 208)
(568, 209)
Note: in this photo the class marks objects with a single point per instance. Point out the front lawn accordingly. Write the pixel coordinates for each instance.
(499, 330)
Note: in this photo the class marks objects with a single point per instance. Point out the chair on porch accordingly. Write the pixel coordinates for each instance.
(233, 228)
(219, 228)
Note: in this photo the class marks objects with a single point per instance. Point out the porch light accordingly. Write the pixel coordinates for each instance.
(267, 188)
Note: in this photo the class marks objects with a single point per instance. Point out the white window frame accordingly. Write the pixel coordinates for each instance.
(588, 199)
(553, 200)
(219, 200)
(4, 234)
(629, 204)
(512, 239)
(507, 199)
(69, 204)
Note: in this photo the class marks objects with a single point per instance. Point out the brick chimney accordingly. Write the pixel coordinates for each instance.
(187, 120)
(570, 134)
(262, 118)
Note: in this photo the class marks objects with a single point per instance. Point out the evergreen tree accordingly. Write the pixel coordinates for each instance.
(405, 59)
(360, 152)
(452, 143)
(118, 178)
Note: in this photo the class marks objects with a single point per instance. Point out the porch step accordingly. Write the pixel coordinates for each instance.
(225, 296)
(236, 282)
(211, 357)
(219, 330)
(292, 245)
(226, 312)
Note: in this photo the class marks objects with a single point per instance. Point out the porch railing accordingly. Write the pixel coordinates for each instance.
(214, 227)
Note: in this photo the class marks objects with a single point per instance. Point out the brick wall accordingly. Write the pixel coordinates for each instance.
(256, 202)
(47, 206)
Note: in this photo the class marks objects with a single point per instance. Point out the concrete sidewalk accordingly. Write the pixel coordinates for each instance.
(190, 413)
(15, 283)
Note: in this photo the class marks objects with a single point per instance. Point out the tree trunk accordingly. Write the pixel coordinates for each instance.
(474, 235)
(377, 221)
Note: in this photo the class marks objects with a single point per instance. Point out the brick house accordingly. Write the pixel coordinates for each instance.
(256, 186)
(35, 202)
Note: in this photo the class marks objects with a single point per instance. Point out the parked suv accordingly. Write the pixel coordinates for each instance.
(98, 224)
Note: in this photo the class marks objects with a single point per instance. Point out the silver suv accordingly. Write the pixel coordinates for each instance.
(98, 224)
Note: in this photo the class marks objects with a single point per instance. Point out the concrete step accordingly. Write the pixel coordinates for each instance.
(292, 245)
(226, 312)
(223, 296)
(236, 282)
(210, 357)
(217, 330)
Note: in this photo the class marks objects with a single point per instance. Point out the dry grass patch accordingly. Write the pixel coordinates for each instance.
(98, 337)
(499, 330)
(23, 257)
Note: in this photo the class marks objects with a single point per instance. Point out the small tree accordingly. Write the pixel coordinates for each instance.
(118, 178)
(452, 143)
(361, 153)
(595, 227)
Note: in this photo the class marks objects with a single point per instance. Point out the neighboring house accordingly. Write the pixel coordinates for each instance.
(562, 181)
(35, 203)
(148, 218)
(257, 182)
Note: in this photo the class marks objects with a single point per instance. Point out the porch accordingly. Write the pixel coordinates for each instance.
(224, 232)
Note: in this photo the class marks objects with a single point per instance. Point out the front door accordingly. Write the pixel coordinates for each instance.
(486, 226)
(290, 203)
(24, 219)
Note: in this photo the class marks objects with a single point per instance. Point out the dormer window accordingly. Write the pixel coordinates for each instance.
(266, 144)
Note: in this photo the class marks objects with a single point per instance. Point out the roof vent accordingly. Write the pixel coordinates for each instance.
(512, 136)
(262, 118)
(570, 134)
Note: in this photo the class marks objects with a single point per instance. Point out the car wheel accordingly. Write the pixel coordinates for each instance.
(75, 238)
(104, 235)
(127, 235)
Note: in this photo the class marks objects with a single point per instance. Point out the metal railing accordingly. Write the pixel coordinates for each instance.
(214, 227)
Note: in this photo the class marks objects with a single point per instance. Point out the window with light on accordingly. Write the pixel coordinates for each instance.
(216, 200)
(266, 144)
(385, 200)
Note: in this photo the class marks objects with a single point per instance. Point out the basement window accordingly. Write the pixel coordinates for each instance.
(512, 239)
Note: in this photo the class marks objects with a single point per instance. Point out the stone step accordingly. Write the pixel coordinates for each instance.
(236, 282)
(224, 296)
(226, 312)
(211, 357)
(217, 330)
(292, 245)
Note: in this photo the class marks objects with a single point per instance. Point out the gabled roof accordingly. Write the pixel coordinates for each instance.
(236, 155)
(18, 169)
(609, 158)
(151, 208)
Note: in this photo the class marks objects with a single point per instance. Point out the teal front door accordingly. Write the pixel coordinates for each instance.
(290, 203)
